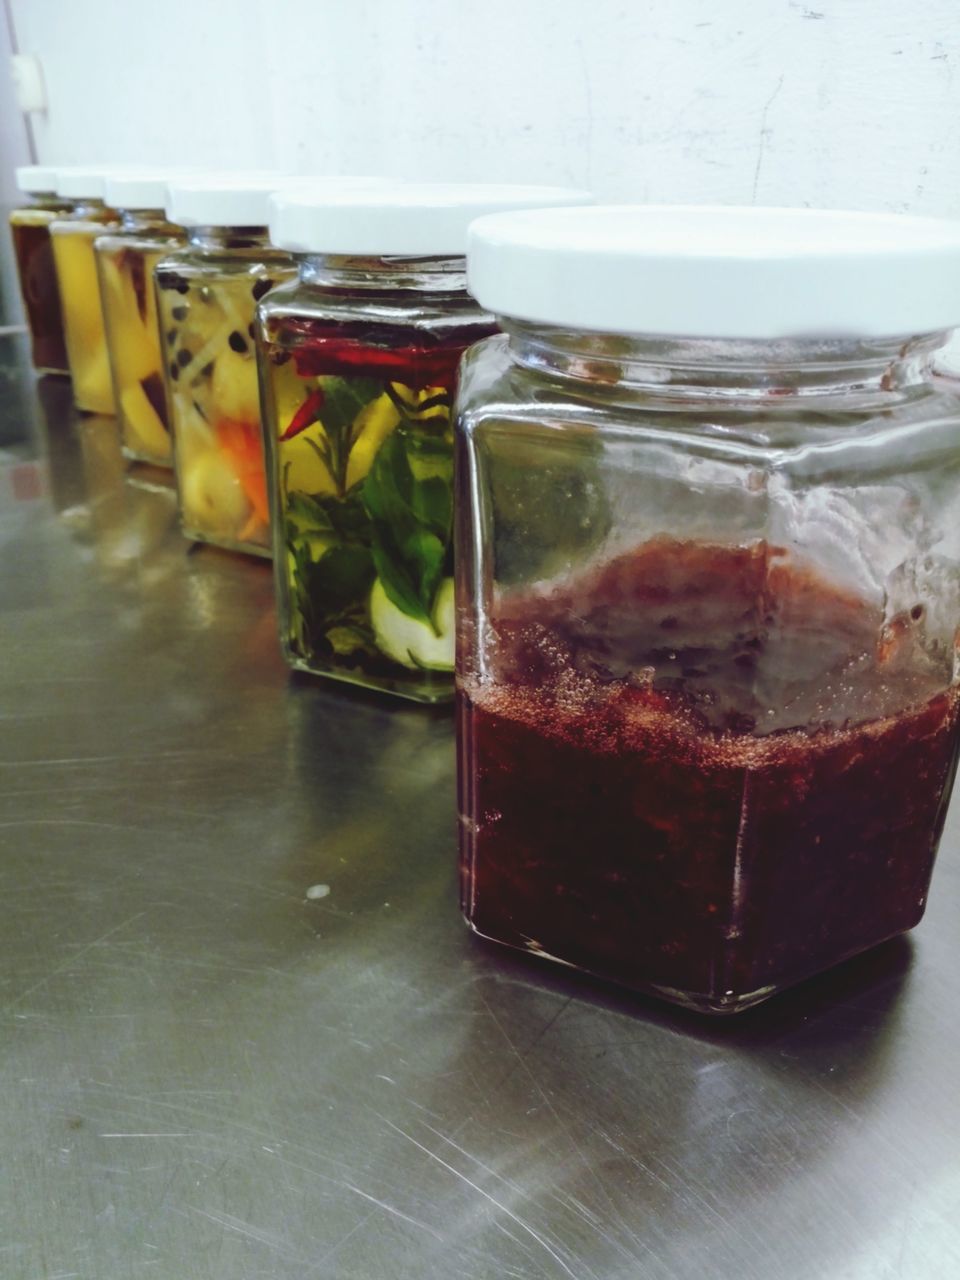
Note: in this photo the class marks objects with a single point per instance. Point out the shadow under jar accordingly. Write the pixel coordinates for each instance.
(30, 228)
(125, 264)
(73, 236)
(708, 591)
(359, 361)
(207, 294)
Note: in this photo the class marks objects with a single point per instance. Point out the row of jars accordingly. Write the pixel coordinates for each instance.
(707, 509)
(363, 316)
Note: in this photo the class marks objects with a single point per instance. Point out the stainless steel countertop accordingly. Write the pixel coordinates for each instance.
(208, 1075)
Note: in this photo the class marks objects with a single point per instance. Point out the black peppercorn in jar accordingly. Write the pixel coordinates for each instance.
(708, 585)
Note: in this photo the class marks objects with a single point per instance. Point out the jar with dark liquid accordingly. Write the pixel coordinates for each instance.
(30, 228)
(359, 360)
(708, 590)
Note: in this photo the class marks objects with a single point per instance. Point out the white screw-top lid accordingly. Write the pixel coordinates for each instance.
(403, 218)
(141, 189)
(36, 179)
(85, 182)
(719, 272)
(222, 199)
(236, 200)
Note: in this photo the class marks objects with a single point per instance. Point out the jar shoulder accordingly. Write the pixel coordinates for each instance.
(30, 216)
(215, 264)
(494, 386)
(404, 308)
(122, 242)
(89, 227)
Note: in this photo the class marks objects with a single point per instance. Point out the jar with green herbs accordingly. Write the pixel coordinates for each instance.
(359, 360)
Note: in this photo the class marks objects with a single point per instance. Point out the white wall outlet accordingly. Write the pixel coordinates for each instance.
(28, 83)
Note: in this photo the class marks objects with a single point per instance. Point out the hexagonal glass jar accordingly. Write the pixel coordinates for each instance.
(125, 264)
(33, 251)
(207, 293)
(708, 593)
(359, 363)
(73, 235)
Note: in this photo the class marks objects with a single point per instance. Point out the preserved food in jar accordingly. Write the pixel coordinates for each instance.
(689, 837)
(709, 591)
(359, 366)
(73, 238)
(206, 297)
(30, 228)
(125, 262)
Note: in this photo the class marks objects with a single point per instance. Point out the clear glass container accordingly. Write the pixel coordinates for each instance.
(125, 263)
(359, 360)
(30, 228)
(708, 603)
(73, 237)
(207, 294)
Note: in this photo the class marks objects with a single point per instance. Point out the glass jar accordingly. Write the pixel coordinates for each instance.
(73, 236)
(206, 299)
(708, 591)
(359, 361)
(125, 263)
(30, 227)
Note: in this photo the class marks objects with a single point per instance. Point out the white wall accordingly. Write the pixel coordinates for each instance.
(14, 150)
(832, 102)
(14, 138)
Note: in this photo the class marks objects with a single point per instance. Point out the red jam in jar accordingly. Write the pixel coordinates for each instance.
(639, 803)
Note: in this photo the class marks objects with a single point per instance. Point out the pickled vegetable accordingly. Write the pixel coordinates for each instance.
(83, 315)
(133, 333)
(364, 473)
(211, 379)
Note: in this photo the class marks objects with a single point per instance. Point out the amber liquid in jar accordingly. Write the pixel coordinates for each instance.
(86, 341)
(30, 228)
(206, 304)
(125, 264)
(696, 770)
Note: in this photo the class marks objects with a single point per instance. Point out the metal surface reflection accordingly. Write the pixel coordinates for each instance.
(211, 1073)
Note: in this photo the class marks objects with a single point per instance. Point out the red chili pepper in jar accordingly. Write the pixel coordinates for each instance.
(306, 415)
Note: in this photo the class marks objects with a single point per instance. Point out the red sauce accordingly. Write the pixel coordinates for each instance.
(702, 771)
(362, 349)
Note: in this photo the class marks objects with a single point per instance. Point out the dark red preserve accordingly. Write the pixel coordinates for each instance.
(650, 790)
